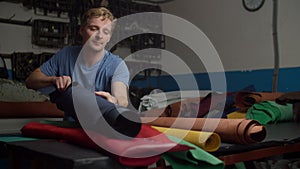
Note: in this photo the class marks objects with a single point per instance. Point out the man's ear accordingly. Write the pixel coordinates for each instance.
(109, 37)
(80, 30)
(112, 27)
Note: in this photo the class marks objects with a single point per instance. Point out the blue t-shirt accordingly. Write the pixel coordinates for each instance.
(111, 68)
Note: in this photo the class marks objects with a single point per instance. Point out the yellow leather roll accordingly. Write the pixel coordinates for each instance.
(236, 115)
(208, 141)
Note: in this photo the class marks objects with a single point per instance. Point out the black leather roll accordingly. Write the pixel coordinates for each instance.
(78, 102)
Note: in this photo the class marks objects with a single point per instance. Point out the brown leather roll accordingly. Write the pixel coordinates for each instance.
(29, 110)
(241, 131)
(187, 107)
(244, 100)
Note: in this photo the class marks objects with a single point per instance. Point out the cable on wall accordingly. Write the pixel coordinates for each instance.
(276, 46)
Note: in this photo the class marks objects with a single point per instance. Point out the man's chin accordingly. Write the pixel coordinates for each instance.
(97, 48)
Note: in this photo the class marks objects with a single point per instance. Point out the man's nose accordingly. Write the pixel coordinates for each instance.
(98, 35)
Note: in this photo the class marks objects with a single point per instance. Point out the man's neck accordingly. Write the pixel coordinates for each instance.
(91, 57)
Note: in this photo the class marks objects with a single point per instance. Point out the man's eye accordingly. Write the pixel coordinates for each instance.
(93, 29)
(106, 32)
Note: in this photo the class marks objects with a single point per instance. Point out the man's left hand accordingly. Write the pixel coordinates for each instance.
(107, 96)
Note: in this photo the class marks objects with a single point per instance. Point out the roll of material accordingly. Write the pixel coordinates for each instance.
(143, 150)
(241, 131)
(192, 159)
(269, 112)
(244, 100)
(96, 113)
(208, 141)
(29, 110)
(187, 107)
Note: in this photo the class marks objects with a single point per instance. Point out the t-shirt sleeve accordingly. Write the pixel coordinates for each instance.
(121, 74)
(51, 66)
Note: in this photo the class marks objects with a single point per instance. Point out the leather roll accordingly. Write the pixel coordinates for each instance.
(208, 141)
(187, 107)
(143, 150)
(112, 120)
(241, 131)
(29, 110)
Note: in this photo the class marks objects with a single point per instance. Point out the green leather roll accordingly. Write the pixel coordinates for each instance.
(192, 159)
(269, 112)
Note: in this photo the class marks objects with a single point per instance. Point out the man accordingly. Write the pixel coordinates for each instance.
(96, 27)
(90, 65)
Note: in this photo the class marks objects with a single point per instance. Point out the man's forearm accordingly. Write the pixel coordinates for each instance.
(37, 80)
(119, 91)
(122, 101)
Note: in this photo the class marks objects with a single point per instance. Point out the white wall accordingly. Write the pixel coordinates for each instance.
(289, 33)
(243, 39)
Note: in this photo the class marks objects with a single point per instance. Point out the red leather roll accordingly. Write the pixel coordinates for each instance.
(128, 152)
(244, 100)
(241, 131)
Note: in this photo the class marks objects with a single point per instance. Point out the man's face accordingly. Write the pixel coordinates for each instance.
(96, 34)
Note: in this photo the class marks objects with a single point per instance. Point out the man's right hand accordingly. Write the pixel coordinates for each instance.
(62, 82)
(38, 80)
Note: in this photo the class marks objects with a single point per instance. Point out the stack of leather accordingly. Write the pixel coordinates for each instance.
(293, 98)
